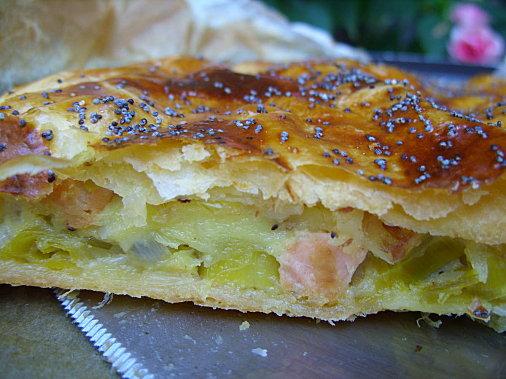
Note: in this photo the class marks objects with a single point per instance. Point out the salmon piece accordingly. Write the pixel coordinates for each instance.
(17, 138)
(346, 209)
(399, 241)
(315, 266)
(391, 243)
(79, 202)
(32, 186)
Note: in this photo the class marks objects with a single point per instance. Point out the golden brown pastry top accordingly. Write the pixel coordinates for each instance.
(372, 121)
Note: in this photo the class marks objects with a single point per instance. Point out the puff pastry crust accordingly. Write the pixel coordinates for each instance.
(337, 134)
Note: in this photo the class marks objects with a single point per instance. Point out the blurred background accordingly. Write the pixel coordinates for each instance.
(468, 32)
(38, 38)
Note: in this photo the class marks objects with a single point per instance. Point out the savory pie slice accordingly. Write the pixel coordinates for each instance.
(320, 189)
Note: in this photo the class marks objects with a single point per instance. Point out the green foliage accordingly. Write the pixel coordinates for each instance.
(421, 26)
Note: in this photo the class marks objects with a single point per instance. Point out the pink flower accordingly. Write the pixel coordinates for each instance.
(466, 14)
(478, 44)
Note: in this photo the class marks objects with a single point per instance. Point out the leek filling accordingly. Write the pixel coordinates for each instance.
(237, 244)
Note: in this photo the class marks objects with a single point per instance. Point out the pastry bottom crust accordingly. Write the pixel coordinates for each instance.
(173, 289)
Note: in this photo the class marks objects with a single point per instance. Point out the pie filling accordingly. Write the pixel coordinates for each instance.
(314, 255)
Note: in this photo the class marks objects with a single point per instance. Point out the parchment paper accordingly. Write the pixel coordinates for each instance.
(38, 38)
